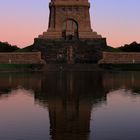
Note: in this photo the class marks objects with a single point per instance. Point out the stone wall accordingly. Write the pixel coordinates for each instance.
(70, 52)
(120, 58)
(21, 58)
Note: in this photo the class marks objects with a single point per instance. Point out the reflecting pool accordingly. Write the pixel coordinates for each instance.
(72, 105)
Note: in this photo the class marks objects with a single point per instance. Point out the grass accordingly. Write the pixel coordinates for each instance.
(121, 66)
(15, 65)
(21, 67)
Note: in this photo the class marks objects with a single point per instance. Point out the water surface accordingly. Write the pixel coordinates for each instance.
(70, 106)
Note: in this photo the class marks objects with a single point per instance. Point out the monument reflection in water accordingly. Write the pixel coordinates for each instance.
(69, 105)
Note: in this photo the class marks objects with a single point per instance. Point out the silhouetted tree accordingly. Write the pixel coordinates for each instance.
(6, 47)
(26, 49)
(111, 49)
(133, 47)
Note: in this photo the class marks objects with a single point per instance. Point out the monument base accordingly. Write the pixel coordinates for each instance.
(50, 34)
(70, 51)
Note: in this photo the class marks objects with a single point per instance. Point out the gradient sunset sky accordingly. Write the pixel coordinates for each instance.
(23, 20)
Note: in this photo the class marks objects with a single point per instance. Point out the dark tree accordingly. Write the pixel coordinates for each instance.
(133, 47)
(6, 47)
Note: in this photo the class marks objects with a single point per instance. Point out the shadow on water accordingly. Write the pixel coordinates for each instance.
(70, 96)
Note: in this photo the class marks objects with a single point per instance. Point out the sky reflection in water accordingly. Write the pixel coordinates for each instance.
(21, 119)
(70, 105)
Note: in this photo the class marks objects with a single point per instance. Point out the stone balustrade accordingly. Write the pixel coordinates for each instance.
(120, 58)
(21, 58)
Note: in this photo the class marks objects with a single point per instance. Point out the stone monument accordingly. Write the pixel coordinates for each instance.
(69, 38)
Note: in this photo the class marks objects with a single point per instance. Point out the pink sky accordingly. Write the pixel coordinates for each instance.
(23, 20)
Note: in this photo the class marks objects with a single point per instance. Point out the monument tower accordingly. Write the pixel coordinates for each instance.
(69, 37)
(69, 19)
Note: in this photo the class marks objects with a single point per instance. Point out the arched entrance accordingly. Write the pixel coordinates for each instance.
(70, 29)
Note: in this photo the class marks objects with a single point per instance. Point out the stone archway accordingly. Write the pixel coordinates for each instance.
(70, 29)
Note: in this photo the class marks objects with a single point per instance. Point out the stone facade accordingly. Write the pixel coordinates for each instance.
(21, 58)
(71, 52)
(120, 58)
(69, 38)
(69, 18)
